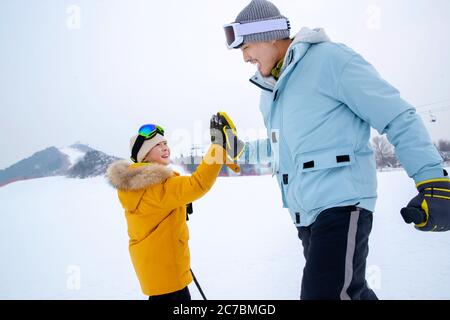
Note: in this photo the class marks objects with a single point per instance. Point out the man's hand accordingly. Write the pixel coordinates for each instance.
(223, 133)
(430, 209)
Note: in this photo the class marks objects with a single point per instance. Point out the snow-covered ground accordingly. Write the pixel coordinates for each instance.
(66, 238)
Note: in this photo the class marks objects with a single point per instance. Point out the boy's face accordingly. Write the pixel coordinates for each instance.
(159, 154)
(264, 54)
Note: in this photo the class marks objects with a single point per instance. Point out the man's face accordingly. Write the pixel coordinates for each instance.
(263, 54)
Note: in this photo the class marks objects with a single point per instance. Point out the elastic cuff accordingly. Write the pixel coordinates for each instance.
(430, 174)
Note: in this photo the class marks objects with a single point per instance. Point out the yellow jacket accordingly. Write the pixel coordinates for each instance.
(155, 198)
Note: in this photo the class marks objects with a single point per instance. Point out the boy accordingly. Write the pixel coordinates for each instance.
(155, 197)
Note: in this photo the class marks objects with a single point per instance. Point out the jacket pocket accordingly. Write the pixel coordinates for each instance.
(325, 177)
(325, 159)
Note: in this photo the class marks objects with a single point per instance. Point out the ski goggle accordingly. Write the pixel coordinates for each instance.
(235, 32)
(146, 132)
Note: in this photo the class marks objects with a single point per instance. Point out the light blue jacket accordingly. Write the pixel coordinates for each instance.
(318, 116)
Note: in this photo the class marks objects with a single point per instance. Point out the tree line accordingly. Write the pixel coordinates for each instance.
(385, 156)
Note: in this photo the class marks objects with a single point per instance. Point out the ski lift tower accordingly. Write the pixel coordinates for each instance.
(432, 117)
(194, 152)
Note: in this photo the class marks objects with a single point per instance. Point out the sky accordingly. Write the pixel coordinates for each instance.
(94, 71)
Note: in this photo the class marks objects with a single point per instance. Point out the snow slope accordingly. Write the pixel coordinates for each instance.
(73, 154)
(66, 238)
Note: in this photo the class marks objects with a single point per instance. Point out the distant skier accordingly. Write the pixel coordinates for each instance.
(319, 100)
(155, 197)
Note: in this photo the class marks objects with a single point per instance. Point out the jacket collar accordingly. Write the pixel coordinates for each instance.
(125, 176)
(296, 51)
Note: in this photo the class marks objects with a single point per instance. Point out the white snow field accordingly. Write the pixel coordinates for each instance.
(66, 238)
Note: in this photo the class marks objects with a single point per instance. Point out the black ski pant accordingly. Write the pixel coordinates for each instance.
(335, 247)
(181, 295)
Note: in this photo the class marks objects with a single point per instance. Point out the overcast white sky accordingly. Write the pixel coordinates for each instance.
(95, 70)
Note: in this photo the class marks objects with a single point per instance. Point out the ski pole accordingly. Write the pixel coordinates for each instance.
(198, 285)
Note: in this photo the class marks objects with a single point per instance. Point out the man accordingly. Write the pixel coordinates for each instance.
(319, 100)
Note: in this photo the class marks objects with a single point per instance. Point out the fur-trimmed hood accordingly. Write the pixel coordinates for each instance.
(125, 176)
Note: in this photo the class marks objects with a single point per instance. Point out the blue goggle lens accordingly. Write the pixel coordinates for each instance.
(149, 130)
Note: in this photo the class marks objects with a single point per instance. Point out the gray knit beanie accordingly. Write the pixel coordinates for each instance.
(259, 10)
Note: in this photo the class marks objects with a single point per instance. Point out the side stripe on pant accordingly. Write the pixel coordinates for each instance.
(350, 252)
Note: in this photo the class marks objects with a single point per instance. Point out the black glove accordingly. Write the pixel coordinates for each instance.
(223, 133)
(430, 209)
